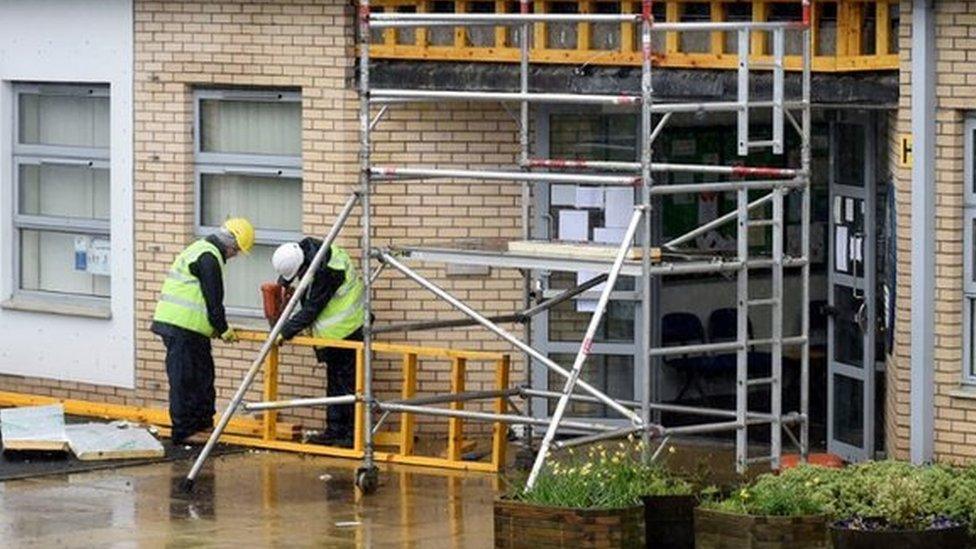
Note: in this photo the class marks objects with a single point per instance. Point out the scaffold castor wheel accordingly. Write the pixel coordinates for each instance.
(367, 479)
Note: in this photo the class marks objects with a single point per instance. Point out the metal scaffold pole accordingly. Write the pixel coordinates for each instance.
(646, 145)
(805, 163)
(616, 261)
(527, 274)
(366, 476)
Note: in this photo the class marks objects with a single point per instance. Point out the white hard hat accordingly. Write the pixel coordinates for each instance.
(287, 259)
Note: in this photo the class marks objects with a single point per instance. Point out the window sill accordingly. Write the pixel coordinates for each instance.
(59, 306)
(964, 391)
(254, 323)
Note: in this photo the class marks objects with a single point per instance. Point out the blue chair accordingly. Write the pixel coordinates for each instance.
(722, 328)
(680, 329)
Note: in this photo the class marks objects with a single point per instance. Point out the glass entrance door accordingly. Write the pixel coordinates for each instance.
(568, 212)
(851, 325)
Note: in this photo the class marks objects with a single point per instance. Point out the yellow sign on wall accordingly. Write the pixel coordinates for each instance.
(905, 155)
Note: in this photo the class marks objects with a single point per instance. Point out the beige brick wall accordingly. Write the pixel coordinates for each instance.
(955, 417)
(307, 45)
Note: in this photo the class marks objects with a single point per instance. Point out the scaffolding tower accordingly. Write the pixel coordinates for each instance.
(635, 256)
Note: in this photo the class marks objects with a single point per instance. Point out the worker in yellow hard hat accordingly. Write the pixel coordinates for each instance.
(190, 312)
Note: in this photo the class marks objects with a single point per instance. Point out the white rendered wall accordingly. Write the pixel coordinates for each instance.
(71, 41)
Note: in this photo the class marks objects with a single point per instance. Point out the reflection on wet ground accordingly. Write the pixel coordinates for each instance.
(260, 499)
(248, 500)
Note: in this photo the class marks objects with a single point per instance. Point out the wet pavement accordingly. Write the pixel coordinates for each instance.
(249, 500)
(266, 499)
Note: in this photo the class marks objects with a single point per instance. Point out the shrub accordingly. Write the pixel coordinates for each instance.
(600, 478)
(882, 494)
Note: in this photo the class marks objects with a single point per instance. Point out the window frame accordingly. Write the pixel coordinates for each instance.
(969, 255)
(250, 164)
(62, 155)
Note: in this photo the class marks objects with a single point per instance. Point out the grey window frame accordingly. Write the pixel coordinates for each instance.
(31, 154)
(286, 167)
(969, 256)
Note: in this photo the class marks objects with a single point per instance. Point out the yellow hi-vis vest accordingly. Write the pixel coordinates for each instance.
(343, 314)
(181, 303)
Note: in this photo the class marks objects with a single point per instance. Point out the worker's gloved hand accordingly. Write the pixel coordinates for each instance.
(229, 335)
(279, 340)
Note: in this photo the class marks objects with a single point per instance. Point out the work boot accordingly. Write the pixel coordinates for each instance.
(200, 437)
(338, 438)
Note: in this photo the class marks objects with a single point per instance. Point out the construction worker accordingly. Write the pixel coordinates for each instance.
(190, 312)
(332, 308)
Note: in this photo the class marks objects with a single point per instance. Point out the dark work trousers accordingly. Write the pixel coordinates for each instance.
(340, 375)
(190, 368)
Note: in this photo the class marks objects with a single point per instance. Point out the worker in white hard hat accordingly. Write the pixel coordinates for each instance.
(332, 308)
(189, 313)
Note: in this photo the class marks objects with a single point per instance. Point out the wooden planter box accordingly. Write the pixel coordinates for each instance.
(954, 537)
(522, 525)
(718, 530)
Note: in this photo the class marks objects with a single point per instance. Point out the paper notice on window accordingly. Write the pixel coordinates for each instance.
(620, 207)
(841, 252)
(858, 249)
(849, 210)
(562, 195)
(583, 277)
(99, 257)
(609, 235)
(574, 226)
(589, 197)
(586, 305)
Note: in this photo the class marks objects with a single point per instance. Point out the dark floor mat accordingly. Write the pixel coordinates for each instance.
(21, 464)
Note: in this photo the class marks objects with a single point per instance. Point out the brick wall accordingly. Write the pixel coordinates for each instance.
(955, 416)
(306, 45)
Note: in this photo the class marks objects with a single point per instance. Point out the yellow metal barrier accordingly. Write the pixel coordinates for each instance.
(403, 438)
(271, 434)
(847, 35)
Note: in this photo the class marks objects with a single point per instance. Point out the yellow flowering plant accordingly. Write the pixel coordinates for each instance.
(600, 477)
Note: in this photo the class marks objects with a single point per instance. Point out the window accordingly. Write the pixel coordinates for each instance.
(61, 190)
(249, 164)
(969, 244)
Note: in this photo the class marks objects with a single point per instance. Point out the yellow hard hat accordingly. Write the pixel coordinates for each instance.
(243, 233)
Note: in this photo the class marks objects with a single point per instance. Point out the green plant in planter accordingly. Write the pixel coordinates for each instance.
(800, 491)
(601, 477)
(897, 495)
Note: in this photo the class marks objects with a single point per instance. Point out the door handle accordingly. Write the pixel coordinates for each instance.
(829, 310)
(858, 265)
(861, 318)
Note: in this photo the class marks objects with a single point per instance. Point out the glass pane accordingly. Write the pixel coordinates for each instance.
(848, 338)
(562, 36)
(482, 37)
(73, 121)
(894, 23)
(251, 127)
(593, 136)
(849, 410)
(869, 29)
(736, 12)
(513, 38)
(612, 374)
(827, 28)
(568, 320)
(971, 304)
(407, 35)
(245, 274)
(64, 191)
(441, 36)
(793, 41)
(850, 155)
(605, 36)
(270, 203)
(62, 262)
(695, 42)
